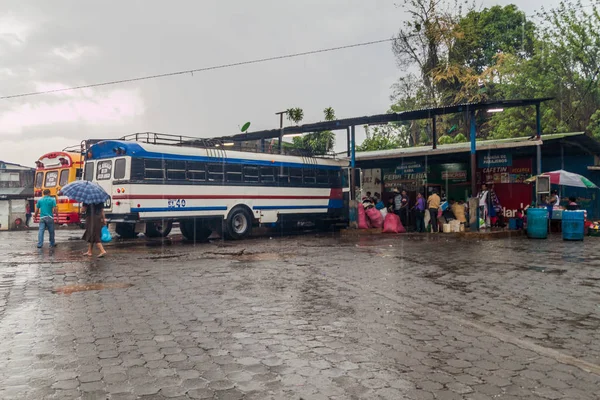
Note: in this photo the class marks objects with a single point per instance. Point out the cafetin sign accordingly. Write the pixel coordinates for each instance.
(494, 160)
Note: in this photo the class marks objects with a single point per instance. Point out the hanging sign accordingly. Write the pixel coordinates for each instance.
(494, 160)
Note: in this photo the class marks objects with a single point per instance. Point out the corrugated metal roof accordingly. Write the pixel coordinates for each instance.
(14, 167)
(459, 147)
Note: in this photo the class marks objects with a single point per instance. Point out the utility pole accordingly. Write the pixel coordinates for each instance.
(281, 113)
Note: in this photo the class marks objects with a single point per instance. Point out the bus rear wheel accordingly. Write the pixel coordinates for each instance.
(238, 224)
(194, 230)
(159, 229)
(126, 231)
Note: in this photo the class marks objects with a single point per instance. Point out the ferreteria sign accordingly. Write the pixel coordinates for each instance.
(494, 160)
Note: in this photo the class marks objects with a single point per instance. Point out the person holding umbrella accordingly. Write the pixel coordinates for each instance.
(93, 197)
(94, 221)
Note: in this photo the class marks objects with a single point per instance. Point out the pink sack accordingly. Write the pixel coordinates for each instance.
(363, 222)
(392, 224)
(375, 217)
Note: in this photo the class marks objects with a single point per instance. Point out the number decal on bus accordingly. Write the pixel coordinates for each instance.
(176, 203)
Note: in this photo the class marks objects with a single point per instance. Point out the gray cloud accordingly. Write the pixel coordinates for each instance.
(71, 42)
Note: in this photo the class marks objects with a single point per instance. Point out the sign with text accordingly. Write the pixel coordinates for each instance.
(413, 167)
(494, 160)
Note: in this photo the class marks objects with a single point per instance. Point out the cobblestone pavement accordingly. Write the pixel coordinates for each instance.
(304, 317)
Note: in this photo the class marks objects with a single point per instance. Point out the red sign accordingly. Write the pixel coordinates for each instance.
(508, 184)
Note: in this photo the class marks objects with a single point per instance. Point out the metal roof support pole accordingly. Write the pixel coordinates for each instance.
(348, 140)
(352, 203)
(538, 131)
(473, 134)
(433, 132)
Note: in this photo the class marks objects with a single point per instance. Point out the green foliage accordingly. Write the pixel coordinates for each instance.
(481, 35)
(295, 115)
(317, 142)
(460, 138)
(496, 53)
(384, 138)
(445, 139)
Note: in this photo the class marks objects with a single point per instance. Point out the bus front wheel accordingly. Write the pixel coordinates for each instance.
(126, 231)
(239, 223)
(194, 230)
(159, 229)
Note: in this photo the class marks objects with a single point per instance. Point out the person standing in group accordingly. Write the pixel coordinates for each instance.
(484, 205)
(397, 202)
(404, 209)
(47, 210)
(94, 221)
(420, 213)
(433, 204)
(27, 213)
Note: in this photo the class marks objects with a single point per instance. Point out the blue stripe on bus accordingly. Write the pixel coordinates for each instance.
(163, 209)
(291, 207)
(336, 203)
(104, 151)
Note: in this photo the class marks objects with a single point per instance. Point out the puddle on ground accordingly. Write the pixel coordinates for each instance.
(90, 286)
(544, 269)
(242, 256)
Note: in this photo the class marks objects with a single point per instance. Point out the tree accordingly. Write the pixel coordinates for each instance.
(385, 137)
(295, 115)
(318, 142)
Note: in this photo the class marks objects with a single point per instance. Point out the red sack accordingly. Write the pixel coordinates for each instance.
(392, 224)
(375, 217)
(363, 222)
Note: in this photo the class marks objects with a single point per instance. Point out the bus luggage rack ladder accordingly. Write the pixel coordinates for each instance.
(172, 140)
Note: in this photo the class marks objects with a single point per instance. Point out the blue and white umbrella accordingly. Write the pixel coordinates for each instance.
(85, 192)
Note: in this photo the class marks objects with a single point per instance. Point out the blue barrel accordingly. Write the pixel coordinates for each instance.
(573, 225)
(537, 223)
(512, 224)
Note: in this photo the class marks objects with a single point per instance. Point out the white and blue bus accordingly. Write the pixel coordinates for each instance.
(207, 188)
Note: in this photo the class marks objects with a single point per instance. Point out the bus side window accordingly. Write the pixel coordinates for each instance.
(154, 169)
(215, 172)
(196, 171)
(295, 175)
(267, 174)
(250, 174)
(335, 178)
(64, 177)
(283, 175)
(234, 172)
(310, 176)
(322, 177)
(39, 179)
(120, 165)
(137, 169)
(78, 173)
(88, 174)
(176, 170)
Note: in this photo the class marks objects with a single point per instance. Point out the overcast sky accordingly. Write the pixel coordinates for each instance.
(51, 44)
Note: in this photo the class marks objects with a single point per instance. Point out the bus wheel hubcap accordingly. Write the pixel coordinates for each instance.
(239, 223)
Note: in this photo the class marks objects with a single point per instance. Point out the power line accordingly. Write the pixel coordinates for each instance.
(215, 67)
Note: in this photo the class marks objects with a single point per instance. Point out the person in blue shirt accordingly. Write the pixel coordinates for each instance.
(46, 209)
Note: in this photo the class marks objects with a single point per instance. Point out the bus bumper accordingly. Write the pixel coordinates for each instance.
(64, 218)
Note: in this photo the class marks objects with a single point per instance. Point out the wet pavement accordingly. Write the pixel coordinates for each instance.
(301, 317)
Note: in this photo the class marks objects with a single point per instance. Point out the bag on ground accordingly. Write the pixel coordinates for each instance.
(363, 222)
(105, 237)
(383, 212)
(375, 217)
(392, 224)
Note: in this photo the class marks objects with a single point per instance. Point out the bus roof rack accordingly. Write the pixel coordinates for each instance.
(172, 140)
